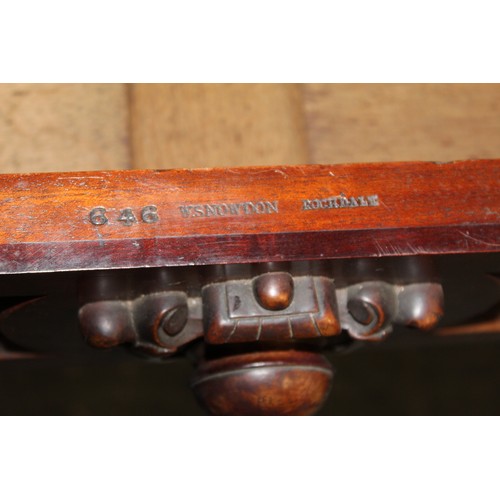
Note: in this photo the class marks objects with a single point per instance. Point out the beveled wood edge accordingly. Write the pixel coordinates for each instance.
(235, 249)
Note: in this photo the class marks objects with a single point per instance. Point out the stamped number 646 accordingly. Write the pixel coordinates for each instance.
(149, 215)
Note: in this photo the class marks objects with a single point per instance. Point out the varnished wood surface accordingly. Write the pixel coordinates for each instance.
(264, 383)
(423, 208)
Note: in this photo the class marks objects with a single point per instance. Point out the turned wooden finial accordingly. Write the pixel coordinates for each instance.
(264, 383)
(274, 291)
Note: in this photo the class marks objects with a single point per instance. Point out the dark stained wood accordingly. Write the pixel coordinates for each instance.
(423, 208)
(264, 383)
(489, 324)
(232, 312)
(274, 291)
(486, 322)
(155, 324)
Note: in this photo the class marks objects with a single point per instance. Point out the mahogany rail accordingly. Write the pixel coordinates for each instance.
(111, 220)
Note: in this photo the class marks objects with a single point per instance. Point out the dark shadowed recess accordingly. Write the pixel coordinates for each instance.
(411, 373)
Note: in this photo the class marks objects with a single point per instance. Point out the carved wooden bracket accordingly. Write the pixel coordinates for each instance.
(238, 311)
(273, 306)
(369, 310)
(157, 324)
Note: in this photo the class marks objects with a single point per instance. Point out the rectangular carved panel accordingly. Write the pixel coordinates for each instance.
(233, 313)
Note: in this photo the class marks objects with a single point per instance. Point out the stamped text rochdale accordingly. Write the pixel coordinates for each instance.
(341, 201)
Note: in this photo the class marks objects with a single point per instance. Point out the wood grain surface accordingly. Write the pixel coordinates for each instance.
(401, 122)
(71, 127)
(264, 383)
(56, 127)
(95, 220)
(177, 126)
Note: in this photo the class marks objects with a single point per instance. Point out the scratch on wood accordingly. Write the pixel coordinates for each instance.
(381, 251)
(316, 327)
(477, 240)
(282, 173)
(259, 330)
(411, 247)
(233, 330)
(84, 178)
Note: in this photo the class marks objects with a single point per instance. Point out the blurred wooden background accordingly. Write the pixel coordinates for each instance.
(50, 127)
